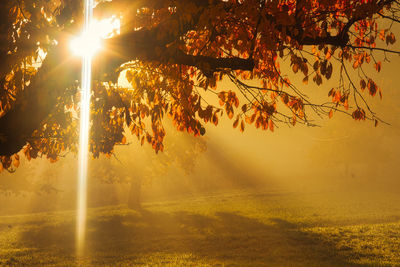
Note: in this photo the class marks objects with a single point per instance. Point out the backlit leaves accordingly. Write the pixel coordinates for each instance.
(358, 114)
(185, 50)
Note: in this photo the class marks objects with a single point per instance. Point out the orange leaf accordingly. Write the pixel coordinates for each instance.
(236, 123)
(142, 141)
(16, 161)
(230, 114)
(271, 125)
(377, 66)
(242, 126)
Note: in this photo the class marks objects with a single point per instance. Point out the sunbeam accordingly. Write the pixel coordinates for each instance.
(84, 133)
(86, 45)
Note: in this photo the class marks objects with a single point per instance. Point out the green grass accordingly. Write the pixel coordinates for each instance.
(237, 228)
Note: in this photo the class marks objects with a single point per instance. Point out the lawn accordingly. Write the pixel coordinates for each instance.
(236, 228)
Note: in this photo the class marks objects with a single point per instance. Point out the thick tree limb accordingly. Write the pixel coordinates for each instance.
(129, 47)
(38, 100)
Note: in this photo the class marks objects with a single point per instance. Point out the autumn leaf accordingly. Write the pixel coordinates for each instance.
(16, 161)
(236, 122)
(377, 66)
(271, 125)
(242, 126)
(363, 84)
(372, 88)
(142, 141)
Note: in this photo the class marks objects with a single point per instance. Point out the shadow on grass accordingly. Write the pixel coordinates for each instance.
(225, 238)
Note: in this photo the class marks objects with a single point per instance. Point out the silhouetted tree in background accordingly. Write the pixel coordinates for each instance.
(144, 166)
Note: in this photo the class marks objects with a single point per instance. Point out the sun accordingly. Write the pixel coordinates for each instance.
(90, 42)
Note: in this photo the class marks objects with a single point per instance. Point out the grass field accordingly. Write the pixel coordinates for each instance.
(236, 228)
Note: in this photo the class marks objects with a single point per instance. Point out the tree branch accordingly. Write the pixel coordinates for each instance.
(38, 100)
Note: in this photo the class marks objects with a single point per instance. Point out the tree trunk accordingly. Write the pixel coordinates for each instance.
(134, 193)
(38, 100)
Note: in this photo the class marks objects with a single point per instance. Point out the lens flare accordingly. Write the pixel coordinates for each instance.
(86, 46)
(90, 41)
(84, 134)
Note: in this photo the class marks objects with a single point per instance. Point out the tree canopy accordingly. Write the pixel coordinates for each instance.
(174, 53)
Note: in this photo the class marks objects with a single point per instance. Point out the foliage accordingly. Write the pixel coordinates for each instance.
(174, 53)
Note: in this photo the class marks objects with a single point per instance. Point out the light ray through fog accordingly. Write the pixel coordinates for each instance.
(84, 133)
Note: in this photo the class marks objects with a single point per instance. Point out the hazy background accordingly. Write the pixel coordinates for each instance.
(343, 156)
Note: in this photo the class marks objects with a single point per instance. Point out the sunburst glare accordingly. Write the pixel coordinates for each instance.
(90, 41)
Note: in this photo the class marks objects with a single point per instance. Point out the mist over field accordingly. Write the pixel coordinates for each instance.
(340, 156)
